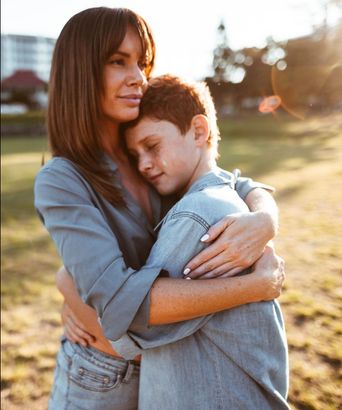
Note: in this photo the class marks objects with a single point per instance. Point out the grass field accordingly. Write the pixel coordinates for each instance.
(302, 159)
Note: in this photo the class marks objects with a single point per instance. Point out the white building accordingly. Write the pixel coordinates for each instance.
(21, 52)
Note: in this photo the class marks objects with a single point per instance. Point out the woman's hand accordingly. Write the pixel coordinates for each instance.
(238, 240)
(270, 269)
(74, 330)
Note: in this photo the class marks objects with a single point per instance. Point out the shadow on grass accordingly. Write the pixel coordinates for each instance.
(22, 246)
(289, 192)
(263, 145)
(258, 157)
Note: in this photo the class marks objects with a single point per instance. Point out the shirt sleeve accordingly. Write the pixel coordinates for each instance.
(245, 185)
(90, 251)
(178, 241)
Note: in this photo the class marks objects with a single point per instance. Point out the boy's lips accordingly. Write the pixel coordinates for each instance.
(154, 178)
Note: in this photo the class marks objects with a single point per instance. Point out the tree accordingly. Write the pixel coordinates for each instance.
(227, 64)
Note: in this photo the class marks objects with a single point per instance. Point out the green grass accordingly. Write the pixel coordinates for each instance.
(301, 158)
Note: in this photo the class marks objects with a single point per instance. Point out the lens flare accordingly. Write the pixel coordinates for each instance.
(307, 89)
(269, 104)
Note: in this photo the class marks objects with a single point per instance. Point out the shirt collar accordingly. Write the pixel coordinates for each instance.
(215, 177)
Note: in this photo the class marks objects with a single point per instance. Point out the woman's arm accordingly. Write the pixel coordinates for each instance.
(174, 300)
(238, 240)
(78, 224)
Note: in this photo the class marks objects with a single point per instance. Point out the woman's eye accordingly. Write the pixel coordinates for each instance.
(117, 61)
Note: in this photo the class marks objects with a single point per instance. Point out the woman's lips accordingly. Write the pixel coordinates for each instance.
(132, 99)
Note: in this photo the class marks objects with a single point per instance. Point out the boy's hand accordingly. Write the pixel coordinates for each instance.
(270, 269)
(74, 330)
(238, 240)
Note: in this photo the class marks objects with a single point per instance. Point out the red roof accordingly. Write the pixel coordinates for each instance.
(23, 79)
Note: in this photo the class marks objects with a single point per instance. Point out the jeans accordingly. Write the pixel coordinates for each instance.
(87, 379)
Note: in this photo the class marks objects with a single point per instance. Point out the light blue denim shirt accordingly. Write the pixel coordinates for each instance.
(104, 247)
(236, 359)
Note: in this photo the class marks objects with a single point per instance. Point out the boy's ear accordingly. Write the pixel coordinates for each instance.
(200, 126)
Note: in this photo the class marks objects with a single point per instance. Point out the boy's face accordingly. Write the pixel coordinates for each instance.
(166, 158)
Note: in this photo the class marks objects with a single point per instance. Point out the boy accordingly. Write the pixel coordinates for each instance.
(235, 359)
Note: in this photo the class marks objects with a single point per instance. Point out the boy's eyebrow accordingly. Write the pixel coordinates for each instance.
(148, 136)
(142, 141)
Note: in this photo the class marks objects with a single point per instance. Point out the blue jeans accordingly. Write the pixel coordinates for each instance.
(86, 379)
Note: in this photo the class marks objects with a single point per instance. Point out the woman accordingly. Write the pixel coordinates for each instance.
(100, 213)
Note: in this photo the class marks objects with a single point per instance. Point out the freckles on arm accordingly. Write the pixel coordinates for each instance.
(261, 201)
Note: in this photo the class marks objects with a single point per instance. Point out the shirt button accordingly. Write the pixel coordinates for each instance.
(81, 371)
(106, 380)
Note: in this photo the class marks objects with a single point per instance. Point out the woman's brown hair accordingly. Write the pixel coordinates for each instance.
(84, 46)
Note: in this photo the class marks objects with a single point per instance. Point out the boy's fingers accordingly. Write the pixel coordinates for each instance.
(77, 323)
(72, 335)
(79, 332)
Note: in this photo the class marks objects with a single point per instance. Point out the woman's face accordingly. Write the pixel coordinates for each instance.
(124, 81)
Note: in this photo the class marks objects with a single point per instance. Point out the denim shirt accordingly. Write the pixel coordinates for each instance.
(208, 200)
(245, 348)
(102, 246)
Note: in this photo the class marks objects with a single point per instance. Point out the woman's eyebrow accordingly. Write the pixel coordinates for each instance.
(122, 53)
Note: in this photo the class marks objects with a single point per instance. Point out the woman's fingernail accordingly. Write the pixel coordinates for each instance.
(186, 271)
(188, 278)
(204, 237)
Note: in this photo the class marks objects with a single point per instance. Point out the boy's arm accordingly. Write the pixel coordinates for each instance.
(238, 240)
(177, 242)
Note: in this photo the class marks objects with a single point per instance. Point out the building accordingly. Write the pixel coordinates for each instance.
(21, 52)
(24, 87)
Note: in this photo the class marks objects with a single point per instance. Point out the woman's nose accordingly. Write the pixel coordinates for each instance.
(137, 77)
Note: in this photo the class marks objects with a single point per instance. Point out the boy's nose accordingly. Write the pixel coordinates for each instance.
(145, 164)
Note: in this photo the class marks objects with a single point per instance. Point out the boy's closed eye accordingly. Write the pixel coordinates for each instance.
(152, 147)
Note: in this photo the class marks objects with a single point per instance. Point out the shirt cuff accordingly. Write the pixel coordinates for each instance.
(126, 347)
(245, 185)
(124, 305)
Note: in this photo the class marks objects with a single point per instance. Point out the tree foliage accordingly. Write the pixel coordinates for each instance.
(306, 72)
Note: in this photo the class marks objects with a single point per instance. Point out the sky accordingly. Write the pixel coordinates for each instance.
(185, 30)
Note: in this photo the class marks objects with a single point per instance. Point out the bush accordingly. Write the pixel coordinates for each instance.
(32, 123)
